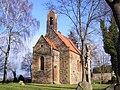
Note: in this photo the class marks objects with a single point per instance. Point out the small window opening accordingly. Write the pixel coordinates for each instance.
(51, 20)
(41, 45)
(55, 66)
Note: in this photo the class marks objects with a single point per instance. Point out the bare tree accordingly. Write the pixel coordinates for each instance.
(16, 24)
(12, 68)
(82, 13)
(1, 62)
(26, 64)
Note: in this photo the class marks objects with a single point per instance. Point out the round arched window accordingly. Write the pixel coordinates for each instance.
(51, 20)
(42, 63)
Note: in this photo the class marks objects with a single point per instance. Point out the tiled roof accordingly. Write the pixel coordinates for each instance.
(50, 43)
(68, 43)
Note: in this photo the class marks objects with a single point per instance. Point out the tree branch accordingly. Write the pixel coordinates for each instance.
(2, 50)
(72, 6)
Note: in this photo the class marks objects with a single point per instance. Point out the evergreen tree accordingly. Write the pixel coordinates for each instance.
(110, 36)
(73, 37)
(115, 7)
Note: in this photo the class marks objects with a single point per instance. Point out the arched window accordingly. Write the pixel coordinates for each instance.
(42, 63)
(51, 20)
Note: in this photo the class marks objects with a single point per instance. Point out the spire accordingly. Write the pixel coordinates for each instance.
(51, 21)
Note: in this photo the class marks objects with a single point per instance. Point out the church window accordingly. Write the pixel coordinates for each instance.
(41, 45)
(42, 63)
(51, 20)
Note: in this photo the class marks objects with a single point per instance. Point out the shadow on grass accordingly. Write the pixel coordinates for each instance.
(100, 86)
(53, 86)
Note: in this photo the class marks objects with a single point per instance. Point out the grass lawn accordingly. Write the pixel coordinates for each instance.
(31, 86)
(99, 86)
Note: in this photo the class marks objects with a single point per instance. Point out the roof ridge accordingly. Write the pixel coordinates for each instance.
(37, 41)
(50, 42)
(68, 42)
(74, 45)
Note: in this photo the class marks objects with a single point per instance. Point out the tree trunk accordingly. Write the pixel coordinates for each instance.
(31, 72)
(6, 57)
(83, 62)
(14, 75)
(5, 64)
(116, 12)
(5, 69)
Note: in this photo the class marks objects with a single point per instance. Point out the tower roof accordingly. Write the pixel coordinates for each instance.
(51, 21)
(51, 13)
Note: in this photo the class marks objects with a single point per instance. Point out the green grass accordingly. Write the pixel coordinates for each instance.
(16, 86)
(99, 86)
(31, 86)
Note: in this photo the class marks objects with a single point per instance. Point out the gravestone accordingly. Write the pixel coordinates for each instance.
(21, 83)
(111, 87)
(84, 86)
(117, 87)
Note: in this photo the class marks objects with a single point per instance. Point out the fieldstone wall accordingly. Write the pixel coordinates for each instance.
(64, 67)
(75, 68)
(104, 76)
(35, 67)
(42, 76)
(64, 57)
(42, 49)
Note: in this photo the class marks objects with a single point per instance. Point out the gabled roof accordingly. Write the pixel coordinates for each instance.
(64, 39)
(68, 43)
(50, 43)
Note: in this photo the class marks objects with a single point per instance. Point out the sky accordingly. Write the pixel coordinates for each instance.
(40, 13)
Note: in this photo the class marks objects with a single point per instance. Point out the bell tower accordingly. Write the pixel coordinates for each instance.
(51, 21)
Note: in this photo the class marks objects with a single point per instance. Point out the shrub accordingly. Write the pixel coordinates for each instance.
(114, 80)
(8, 80)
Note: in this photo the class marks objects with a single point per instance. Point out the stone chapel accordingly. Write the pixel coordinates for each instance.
(56, 59)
